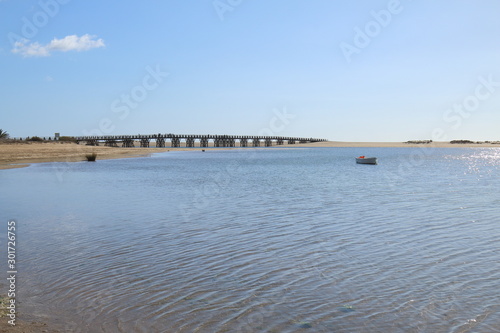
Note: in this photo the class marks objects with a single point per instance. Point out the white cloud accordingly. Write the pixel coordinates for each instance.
(68, 43)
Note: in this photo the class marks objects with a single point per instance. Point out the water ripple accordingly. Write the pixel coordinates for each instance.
(296, 239)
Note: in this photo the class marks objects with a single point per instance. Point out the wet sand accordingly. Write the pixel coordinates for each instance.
(20, 326)
(24, 327)
(16, 155)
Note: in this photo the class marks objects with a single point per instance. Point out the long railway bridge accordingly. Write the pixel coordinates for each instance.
(176, 140)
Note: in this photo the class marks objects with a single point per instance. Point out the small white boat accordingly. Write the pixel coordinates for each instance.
(366, 160)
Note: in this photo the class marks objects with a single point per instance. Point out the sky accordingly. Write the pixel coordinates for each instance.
(361, 70)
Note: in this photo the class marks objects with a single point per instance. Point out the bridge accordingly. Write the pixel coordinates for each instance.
(176, 140)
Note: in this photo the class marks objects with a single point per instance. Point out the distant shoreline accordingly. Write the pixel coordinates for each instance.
(434, 144)
(16, 155)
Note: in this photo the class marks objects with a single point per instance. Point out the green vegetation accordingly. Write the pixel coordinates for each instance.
(3, 134)
(35, 138)
(67, 139)
(419, 141)
(91, 157)
(461, 141)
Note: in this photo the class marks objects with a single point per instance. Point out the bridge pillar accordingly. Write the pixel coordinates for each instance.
(268, 142)
(160, 142)
(92, 142)
(256, 142)
(128, 143)
(190, 142)
(244, 142)
(111, 143)
(145, 142)
(222, 141)
(204, 142)
(279, 142)
(291, 141)
(176, 142)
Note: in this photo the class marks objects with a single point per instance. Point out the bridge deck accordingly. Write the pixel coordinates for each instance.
(190, 140)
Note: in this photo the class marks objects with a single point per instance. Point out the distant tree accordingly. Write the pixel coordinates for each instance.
(3, 134)
(67, 138)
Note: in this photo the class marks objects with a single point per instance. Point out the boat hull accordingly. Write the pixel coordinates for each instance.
(366, 160)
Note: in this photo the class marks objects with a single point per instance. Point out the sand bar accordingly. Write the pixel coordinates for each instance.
(435, 144)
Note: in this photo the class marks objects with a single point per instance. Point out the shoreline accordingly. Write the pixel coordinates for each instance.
(18, 155)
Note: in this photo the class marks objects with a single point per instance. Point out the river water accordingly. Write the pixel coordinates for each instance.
(260, 240)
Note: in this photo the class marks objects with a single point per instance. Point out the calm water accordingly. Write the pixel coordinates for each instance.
(299, 240)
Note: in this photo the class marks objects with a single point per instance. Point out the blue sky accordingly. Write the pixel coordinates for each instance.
(363, 70)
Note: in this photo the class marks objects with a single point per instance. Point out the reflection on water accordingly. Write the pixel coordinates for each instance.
(262, 241)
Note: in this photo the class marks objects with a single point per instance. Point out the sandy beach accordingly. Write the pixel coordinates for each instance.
(16, 155)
